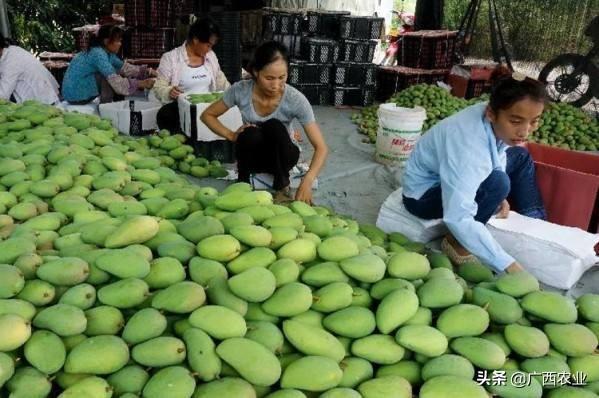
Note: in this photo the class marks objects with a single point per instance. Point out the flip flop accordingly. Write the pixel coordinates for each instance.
(455, 258)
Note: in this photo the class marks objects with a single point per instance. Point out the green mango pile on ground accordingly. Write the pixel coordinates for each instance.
(120, 278)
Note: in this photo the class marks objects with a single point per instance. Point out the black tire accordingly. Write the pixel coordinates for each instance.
(563, 65)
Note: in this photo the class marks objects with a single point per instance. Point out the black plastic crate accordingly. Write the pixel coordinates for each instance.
(357, 50)
(316, 94)
(282, 22)
(353, 96)
(318, 50)
(302, 72)
(323, 23)
(292, 42)
(228, 48)
(354, 74)
(362, 28)
(221, 150)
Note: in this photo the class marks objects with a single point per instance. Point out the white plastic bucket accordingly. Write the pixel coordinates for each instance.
(399, 130)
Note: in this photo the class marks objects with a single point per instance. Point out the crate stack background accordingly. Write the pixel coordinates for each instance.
(151, 28)
(424, 56)
(331, 53)
(228, 47)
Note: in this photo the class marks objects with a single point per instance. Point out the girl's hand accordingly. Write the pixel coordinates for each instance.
(304, 191)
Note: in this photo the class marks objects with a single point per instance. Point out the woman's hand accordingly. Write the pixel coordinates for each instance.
(147, 83)
(152, 72)
(504, 210)
(175, 92)
(514, 267)
(235, 134)
(304, 191)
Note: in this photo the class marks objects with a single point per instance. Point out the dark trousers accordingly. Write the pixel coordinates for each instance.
(517, 184)
(168, 117)
(266, 149)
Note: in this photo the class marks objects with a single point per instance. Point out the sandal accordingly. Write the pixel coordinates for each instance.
(453, 255)
(282, 197)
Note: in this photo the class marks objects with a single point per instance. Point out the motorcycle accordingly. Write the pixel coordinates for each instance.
(574, 78)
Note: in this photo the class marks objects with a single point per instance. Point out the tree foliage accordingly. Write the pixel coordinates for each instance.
(534, 30)
(47, 25)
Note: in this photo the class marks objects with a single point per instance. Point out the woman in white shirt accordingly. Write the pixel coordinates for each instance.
(23, 77)
(190, 68)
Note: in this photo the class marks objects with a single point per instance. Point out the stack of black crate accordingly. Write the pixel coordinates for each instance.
(331, 53)
(354, 74)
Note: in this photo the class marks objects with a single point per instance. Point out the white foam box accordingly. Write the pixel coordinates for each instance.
(132, 117)
(192, 126)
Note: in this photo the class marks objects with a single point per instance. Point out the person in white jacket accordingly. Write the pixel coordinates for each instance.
(23, 77)
(190, 68)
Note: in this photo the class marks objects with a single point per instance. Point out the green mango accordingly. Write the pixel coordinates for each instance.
(173, 381)
(242, 354)
(144, 325)
(29, 382)
(255, 257)
(45, 351)
(225, 387)
(422, 339)
(408, 265)
(313, 340)
(14, 332)
(573, 340)
(337, 248)
(353, 322)
(482, 353)
(180, 298)
(463, 320)
(378, 349)
(289, 300)
(219, 322)
(159, 352)
(367, 268)
(312, 373)
(452, 386)
(386, 386)
(219, 248)
(62, 319)
(104, 320)
(254, 284)
(395, 309)
(447, 365)
(201, 354)
(97, 355)
(527, 341)
(550, 306)
(440, 293)
(92, 387)
(126, 293)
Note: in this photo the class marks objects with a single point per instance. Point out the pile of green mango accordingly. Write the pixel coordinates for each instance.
(562, 125)
(437, 101)
(206, 98)
(567, 127)
(119, 278)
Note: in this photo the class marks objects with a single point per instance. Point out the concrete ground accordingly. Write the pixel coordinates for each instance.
(353, 184)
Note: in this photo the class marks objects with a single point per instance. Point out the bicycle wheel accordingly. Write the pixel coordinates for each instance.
(563, 85)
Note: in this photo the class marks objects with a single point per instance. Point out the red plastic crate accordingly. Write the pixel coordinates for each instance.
(150, 13)
(427, 49)
(143, 43)
(391, 79)
(569, 185)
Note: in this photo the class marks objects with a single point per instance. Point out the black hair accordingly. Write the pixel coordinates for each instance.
(109, 31)
(3, 42)
(509, 88)
(203, 29)
(267, 53)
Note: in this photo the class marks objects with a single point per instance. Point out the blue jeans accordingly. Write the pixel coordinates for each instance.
(517, 184)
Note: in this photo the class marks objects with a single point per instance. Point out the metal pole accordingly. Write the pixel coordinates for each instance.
(4, 23)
